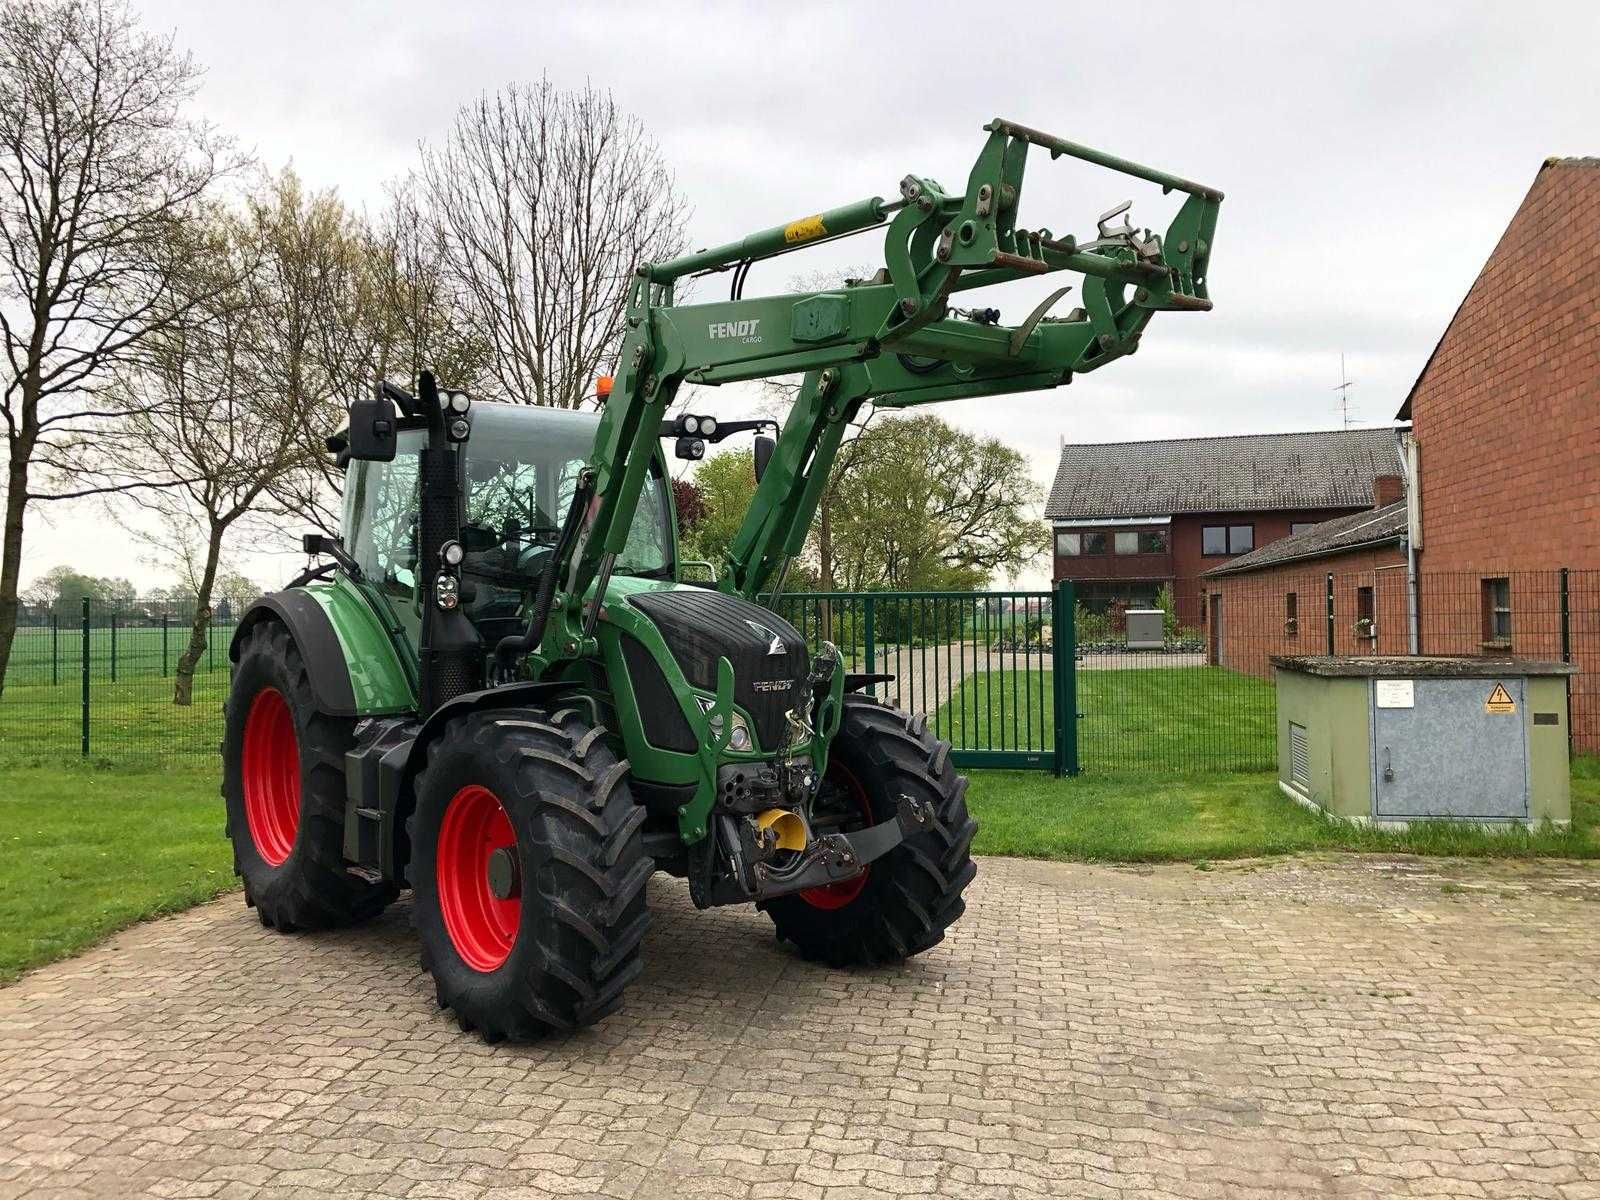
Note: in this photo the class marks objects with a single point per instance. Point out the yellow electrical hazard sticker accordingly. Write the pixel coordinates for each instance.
(804, 230)
(1500, 701)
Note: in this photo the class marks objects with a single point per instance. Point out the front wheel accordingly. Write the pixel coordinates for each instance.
(529, 871)
(903, 903)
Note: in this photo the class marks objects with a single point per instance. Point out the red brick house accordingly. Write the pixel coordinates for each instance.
(1130, 518)
(1505, 522)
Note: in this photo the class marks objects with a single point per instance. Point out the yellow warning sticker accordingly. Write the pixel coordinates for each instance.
(804, 230)
(1500, 701)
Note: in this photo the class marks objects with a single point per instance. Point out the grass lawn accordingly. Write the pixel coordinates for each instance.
(84, 853)
(133, 723)
(1131, 818)
(1171, 718)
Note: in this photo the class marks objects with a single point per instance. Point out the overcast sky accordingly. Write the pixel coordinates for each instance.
(1371, 155)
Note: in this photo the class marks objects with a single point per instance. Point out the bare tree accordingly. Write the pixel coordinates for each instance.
(546, 200)
(202, 420)
(423, 321)
(97, 163)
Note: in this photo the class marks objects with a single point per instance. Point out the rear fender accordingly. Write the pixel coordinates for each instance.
(319, 645)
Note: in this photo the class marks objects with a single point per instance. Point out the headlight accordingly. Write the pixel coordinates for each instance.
(691, 424)
(708, 426)
(739, 738)
(446, 592)
(452, 553)
(459, 402)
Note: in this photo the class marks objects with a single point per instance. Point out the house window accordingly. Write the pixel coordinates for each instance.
(1227, 539)
(1291, 614)
(1153, 541)
(1497, 610)
(1300, 527)
(1365, 613)
(1127, 542)
(1094, 543)
(1068, 544)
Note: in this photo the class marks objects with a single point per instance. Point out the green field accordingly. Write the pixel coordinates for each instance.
(1152, 818)
(1160, 718)
(84, 853)
(133, 722)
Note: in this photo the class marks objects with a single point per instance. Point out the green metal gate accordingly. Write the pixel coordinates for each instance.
(992, 671)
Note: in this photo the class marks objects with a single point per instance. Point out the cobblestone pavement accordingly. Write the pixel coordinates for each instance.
(1348, 1028)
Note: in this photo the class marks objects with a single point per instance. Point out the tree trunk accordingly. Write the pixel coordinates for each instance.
(11, 556)
(183, 677)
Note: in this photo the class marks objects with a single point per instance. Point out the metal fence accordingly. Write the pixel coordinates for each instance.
(981, 666)
(1017, 679)
(98, 683)
(1548, 614)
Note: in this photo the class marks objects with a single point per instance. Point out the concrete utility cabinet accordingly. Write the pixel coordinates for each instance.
(1146, 629)
(1393, 740)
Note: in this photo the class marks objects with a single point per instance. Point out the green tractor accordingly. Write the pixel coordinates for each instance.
(499, 692)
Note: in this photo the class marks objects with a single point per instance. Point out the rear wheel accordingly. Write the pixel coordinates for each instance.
(529, 871)
(903, 903)
(283, 788)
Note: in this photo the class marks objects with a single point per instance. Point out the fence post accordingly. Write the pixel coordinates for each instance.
(872, 642)
(84, 658)
(113, 645)
(55, 648)
(1566, 619)
(163, 645)
(1063, 669)
(1330, 613)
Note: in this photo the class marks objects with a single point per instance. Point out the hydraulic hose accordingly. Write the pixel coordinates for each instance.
(511, 648)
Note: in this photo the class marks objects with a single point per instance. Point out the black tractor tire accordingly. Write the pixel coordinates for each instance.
(911, 895)
(284, 793)
(560, 958)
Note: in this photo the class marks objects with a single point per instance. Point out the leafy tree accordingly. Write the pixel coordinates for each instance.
(923, 505)
(62, 590)
(690, 501)
(727, 485)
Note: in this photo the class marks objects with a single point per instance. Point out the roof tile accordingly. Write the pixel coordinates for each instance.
(1252, 472)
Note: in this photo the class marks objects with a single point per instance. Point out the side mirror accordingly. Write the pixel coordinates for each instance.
(763, 454)
(373, 433)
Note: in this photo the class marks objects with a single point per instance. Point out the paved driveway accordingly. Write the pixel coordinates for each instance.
(1344, 1029)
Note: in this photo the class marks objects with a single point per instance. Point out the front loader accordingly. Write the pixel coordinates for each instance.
(498, 692)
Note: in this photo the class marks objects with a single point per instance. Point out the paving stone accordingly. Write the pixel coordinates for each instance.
(1305, 1028)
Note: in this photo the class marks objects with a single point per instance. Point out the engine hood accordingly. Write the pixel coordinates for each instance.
(767, 653)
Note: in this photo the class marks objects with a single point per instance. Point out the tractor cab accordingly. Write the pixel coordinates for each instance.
(519, 470)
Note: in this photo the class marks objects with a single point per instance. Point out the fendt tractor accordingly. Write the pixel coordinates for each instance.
(498, 691)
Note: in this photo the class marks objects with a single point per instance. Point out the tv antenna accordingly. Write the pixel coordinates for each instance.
(1345, 384)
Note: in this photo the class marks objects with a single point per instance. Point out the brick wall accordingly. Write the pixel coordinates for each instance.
(1507, 411)
(1254, 609)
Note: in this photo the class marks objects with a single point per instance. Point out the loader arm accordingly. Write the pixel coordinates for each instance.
(896, 340)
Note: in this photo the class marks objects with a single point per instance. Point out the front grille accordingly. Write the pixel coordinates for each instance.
(665, 726)
(702, 626)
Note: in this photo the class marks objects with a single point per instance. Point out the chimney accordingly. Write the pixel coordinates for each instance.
(1387, 489)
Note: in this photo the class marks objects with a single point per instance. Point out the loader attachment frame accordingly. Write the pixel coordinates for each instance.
(895, 340)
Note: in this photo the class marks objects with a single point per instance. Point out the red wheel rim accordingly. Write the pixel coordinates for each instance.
(270, 772)
(837, 895)
(482, 927)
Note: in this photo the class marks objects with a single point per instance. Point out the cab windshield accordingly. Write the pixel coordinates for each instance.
(521, 473)
(521, 468)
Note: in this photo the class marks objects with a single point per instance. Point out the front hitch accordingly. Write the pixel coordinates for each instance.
(832, 858)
